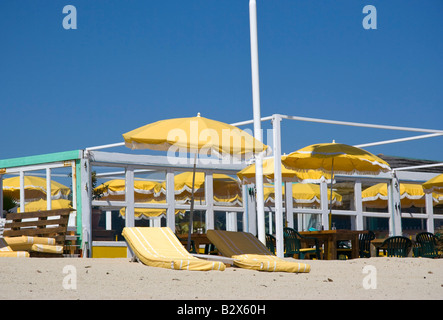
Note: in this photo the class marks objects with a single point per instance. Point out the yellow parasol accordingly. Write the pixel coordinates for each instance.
(114, 190)
(149, 212)
(303, 193)
(411, 194)
(247, 175)
(335, 158)
(42, 205)
(434, 185)
(35, 188)
(195, 135)
(225, 188)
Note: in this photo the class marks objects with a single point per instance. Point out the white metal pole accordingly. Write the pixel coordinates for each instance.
(257, 120)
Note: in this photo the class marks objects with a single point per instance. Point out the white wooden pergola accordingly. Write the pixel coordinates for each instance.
(82, 162)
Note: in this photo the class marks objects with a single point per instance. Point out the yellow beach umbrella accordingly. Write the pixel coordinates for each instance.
(411, 194)
(149, 212)
(195, 135)
(303, 193)
(35, 188)
(335, 158)
(247, 175)
(41, 204)
(114, 190)
(225, 188)
(434, 185)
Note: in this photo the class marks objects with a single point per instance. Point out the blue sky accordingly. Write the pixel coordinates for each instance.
(133, 62)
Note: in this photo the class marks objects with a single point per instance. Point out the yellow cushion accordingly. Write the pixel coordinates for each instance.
(159, 247)
(46, 248)
(4, 246)
(14, 254)
(24, 243)
(248, 252)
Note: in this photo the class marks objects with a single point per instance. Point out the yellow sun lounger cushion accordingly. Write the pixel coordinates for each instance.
(4, 246)
(47, 248)
(159, 247)
(14, 254)
(24, 243)
(248, 252)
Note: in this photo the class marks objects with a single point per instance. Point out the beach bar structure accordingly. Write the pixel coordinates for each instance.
(82, 163)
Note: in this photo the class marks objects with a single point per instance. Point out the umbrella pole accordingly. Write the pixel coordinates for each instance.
(330, 195)
(192, 205)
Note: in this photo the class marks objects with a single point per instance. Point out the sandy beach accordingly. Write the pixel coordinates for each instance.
(85, 279)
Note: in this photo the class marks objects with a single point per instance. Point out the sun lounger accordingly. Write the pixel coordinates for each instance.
(160, 247)
(248, 252)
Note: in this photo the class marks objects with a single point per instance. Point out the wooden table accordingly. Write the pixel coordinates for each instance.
(330, 237)
(198, 238)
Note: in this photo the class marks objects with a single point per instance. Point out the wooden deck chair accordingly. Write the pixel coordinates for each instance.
(248, 252)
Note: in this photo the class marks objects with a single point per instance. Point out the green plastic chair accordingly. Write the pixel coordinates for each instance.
(426, 245)
(397, 246)
(270, 242)
(293, 244)
(364, 244)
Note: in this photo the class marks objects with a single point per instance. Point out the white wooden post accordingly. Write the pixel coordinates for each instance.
(209, 194)
(394, 207)
(108, 220)
(430, 213)
(252, 217)
(278, 187)
(289, 205)
(86, 197)
(358, 205)
(129, 197)
(324, 203)
(48, 189)
(1, 196)
(245, 203)
(22, 191)
(170, 200)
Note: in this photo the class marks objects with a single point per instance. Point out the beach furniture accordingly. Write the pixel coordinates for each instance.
(6, 251)
(160, 247)
(41, 233)
(270, 243)
(293, 244)
(426, 245)
(364, 243)
(397, 246)
(249, 253)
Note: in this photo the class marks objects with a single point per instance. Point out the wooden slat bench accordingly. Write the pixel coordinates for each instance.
(48, 223)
